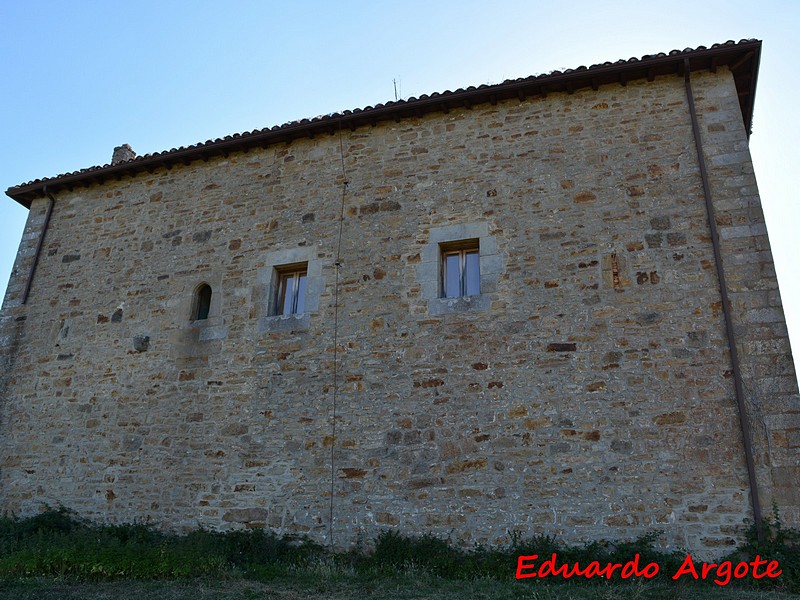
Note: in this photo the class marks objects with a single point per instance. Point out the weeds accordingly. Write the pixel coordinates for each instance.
(779, 543)
(57, 544)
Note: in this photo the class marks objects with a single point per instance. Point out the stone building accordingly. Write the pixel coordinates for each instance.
(502, 308)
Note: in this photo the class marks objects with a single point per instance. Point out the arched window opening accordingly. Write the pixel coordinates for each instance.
(202, 303)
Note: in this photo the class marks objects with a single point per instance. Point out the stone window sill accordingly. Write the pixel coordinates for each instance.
(462, 304)
(284, 323)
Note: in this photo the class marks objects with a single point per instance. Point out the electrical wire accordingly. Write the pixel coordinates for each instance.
(337, 264)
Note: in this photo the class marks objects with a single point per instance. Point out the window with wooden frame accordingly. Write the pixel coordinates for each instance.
(291, 292)
(461, 274)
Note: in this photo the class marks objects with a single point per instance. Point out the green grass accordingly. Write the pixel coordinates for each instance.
(414, 584)
(55, 555)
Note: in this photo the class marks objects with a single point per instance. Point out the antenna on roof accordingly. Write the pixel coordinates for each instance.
(396, 96)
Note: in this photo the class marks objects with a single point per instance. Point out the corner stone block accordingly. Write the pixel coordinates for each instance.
(491, 265)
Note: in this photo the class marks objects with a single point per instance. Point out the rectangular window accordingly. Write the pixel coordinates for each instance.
(461, 274)
(291, 291)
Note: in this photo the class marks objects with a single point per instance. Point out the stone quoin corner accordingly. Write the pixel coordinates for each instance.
(547, 305)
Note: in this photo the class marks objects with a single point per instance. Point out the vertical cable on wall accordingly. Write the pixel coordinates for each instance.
(337, 265)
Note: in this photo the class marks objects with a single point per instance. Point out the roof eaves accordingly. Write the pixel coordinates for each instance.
(742, 58)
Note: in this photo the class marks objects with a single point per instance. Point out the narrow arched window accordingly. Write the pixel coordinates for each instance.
(202, 302)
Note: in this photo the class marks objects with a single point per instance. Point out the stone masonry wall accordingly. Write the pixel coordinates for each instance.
(769, 375)
(586, 393)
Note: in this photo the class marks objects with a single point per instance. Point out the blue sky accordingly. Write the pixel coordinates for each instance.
(83, 76)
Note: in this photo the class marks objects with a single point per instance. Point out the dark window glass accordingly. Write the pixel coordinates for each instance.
(202, 302)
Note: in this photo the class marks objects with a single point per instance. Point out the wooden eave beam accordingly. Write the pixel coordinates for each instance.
(735, 66)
